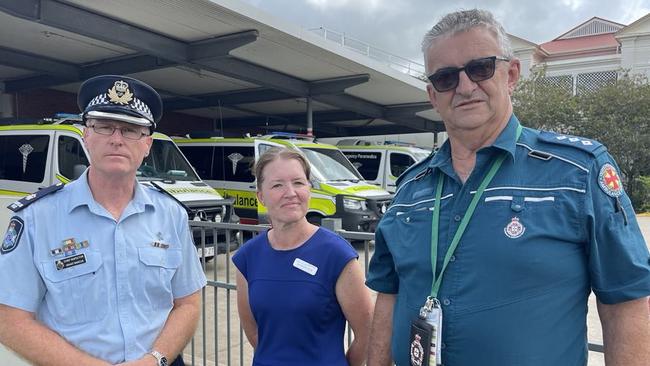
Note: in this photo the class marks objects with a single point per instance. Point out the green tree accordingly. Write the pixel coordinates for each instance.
(617, 115)
(545, 105)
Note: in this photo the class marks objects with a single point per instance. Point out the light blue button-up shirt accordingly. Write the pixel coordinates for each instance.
(111, 291)
(544, 234)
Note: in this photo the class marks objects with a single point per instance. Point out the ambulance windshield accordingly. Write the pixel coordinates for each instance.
(331, 165)
(165, 162)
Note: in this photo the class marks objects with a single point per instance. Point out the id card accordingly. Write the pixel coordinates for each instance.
(426, 335)
(420, 342)
(434, 318)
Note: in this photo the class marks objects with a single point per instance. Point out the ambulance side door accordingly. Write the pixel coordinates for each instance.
(397, 164)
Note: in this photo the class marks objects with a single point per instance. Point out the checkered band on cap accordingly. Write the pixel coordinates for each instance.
(138, 105)
(142, 108)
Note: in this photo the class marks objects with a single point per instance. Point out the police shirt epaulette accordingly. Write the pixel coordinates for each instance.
(28, 200)
(162, 190)
(582, 143)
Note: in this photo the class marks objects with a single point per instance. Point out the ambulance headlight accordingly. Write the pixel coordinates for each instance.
(354, 204)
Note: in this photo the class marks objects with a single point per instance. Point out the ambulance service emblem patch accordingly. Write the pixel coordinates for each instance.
(609, 181)
(12, 237)
(417, 351)
(514, 229)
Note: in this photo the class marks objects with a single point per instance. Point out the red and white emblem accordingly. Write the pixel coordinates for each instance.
(609, 181)
(514, 229)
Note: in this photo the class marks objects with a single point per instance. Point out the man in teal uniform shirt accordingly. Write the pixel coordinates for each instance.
(518, 226)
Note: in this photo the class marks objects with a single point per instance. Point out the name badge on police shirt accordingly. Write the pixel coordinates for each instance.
(426, 335)
(305, 266)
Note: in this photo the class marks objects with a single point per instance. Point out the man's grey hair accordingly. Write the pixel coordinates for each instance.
(461, 21)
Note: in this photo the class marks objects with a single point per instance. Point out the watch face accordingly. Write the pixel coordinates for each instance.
(163, 361)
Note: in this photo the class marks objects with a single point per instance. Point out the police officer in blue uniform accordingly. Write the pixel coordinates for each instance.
(492, 246)
(103, 270)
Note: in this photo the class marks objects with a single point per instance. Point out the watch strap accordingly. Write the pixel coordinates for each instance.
(162, 360)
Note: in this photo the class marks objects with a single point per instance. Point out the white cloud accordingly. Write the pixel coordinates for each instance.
(635, 10)
(371, 5)
(573, 4)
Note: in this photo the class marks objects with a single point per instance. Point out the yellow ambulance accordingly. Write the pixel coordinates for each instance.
(338, 190)
(381, 163)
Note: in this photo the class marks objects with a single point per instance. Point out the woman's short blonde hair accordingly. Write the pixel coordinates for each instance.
(275, 153)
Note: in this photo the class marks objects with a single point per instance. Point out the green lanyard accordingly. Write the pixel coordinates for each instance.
(435, 286)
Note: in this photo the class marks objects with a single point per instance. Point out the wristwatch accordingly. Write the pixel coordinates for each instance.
(162, 360)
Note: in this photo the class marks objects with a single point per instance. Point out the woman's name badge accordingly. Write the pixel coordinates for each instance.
(305, 266)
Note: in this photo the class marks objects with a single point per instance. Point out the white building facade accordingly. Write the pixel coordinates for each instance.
(590, 55)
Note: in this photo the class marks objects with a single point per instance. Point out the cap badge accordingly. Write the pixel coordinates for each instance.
(120, 93)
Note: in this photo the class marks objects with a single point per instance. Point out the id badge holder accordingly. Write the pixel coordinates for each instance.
(431, 315)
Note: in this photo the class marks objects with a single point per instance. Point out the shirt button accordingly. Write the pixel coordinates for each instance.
(453, 258)
(408, 219)
(446, 302)
(457, 218)
(443, 346)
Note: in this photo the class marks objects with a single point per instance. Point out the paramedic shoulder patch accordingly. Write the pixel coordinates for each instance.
(609, 181)
(12, 237)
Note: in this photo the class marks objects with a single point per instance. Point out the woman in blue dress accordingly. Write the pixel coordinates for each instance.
(297, 284)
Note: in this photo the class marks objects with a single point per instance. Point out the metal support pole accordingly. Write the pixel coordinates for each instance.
(310, 118)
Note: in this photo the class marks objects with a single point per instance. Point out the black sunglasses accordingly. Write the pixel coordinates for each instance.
(477, 70)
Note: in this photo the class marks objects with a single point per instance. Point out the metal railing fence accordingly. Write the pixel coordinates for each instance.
(398, 63)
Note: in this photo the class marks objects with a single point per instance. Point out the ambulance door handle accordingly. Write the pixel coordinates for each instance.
(252, 186)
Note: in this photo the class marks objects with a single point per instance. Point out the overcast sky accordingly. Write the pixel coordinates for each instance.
(397, 26)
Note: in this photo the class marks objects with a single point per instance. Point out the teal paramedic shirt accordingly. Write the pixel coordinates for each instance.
(546, 232)
(106, 286)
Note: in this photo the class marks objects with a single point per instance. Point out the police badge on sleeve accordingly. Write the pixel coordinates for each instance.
(12, 237)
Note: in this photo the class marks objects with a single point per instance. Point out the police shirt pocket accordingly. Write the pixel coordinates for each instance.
(158, 268)
(76, 293)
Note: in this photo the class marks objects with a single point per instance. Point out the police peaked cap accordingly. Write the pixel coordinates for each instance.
(120, 98)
